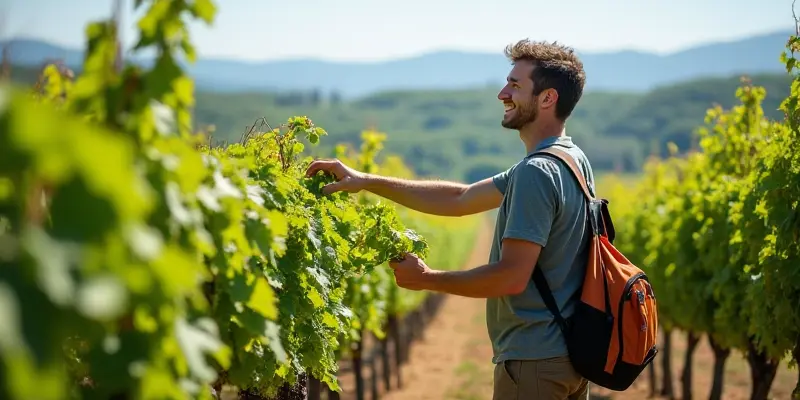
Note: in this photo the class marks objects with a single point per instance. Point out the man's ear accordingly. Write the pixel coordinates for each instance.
(548, 98)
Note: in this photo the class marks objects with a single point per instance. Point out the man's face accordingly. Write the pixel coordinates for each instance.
(517, 97)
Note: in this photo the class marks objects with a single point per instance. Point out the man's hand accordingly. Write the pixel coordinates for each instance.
(347, 179)
(410, 272)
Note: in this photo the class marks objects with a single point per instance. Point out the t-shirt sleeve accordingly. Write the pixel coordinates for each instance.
(501, 180)
(532, 202)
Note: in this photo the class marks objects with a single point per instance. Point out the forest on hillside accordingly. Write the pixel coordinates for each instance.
(456, 134)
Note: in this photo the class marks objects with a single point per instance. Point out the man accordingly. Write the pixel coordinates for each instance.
(540, 222)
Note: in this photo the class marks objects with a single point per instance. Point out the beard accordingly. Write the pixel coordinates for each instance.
(520, 116)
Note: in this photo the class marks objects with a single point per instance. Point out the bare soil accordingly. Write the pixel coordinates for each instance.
(736, 382)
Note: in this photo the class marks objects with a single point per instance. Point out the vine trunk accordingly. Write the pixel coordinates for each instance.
(796, 354)
(762, 372)
(721, 355)
(666, 366)
(692, 340)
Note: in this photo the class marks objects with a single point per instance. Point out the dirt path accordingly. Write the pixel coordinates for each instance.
(434, 360)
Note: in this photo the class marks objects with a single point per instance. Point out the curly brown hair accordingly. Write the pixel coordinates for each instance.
(555, 67)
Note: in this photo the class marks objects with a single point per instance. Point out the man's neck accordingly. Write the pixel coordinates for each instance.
(533, 134)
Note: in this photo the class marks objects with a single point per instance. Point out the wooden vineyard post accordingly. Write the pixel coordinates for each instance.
(357, 369)
(333, 395)
(385, 367)
(394, 329)
(407, 332)
(652, 369)
(373, 371)
(314, 386)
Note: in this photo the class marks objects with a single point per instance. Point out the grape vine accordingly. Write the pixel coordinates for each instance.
(717, 231)
(138, 260)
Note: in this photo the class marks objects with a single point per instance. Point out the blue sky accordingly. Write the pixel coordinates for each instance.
(363, 30)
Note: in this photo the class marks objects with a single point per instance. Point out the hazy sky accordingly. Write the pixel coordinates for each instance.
(375, 30)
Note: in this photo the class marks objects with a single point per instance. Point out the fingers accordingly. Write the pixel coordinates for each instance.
(320, 165)
(397, 260)
(394, 262)
(315, 166)
(334, 187)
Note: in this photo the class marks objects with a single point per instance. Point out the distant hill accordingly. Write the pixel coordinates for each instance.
(617, 71)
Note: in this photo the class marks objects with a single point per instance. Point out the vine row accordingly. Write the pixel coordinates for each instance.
(138, 261)
(718, 232)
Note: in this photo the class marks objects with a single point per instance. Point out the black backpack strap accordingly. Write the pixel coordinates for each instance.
(550, 301)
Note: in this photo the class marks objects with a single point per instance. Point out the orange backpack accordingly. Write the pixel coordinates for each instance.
(611, 337)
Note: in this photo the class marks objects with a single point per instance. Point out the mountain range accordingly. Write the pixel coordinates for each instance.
(615, 71)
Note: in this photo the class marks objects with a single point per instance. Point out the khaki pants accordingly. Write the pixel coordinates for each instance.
(550, 379)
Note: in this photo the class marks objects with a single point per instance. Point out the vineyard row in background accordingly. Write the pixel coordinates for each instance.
(717, 231)
(138, 262)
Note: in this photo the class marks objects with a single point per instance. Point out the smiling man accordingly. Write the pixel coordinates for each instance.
(540, 222)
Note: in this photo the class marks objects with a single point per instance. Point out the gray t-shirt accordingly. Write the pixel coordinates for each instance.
(544, 204)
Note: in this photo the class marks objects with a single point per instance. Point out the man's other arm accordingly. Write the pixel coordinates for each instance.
(531, 210)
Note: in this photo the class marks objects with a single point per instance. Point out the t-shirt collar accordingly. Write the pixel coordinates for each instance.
(565, 141)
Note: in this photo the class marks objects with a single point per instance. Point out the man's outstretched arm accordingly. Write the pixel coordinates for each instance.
(432, 197)
(437, 197)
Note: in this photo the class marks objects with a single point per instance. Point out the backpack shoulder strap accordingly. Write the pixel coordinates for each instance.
(538, 276)
(598, 214)
(573, 167)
